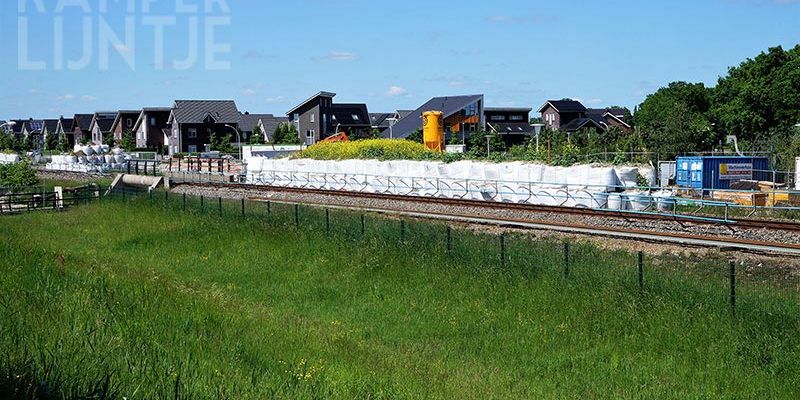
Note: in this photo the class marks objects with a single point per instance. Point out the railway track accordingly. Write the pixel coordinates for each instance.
(677, 238)
(628, 215)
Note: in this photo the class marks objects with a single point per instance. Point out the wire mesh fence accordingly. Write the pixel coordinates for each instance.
(769, 294)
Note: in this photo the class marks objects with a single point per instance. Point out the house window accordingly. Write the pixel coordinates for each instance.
(498, 118)
(192, 148)
(152, 121)
(296, 117)
(517, 118)
(312, 118)
(192, 133)
(129, 122)
(471, 110)
(310, 134)
(355, 117)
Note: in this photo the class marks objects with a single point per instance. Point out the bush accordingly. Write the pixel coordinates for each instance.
(18, 175)
(379, 149)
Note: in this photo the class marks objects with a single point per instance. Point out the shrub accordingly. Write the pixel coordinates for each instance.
(18, 175)
(380, 149)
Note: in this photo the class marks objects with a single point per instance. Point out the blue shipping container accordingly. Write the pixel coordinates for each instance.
(718, 172)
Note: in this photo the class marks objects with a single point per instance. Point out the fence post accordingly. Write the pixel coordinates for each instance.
(640, 264)
(202, 203)
(566, 259)
(502, 250)
(184, 202)
(449, 239)
(269, 211)
(219, 204)
(363, 228)
(242, 207)
(166, 195)
(402, 230)
(297, 215)
(150, 195)
(327, 221)
(732, 277)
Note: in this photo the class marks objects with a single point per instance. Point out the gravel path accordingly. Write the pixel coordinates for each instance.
(340, 200)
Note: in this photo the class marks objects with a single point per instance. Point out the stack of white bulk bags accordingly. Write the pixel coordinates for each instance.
(628, 177)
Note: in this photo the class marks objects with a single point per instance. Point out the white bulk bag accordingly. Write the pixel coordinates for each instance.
(628, 176)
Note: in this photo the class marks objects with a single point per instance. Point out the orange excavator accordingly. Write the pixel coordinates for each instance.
(339, 137)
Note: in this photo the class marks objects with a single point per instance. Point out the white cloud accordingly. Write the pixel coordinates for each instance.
(456, 83)
(337, 56)
(249, 92)
(68, 96)
(396, 91)
(86, 97)
(277, 99)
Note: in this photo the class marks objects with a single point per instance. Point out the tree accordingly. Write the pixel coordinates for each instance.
(674, 120)
(62, 143)
(760, 97)
(108, 138)
(415, 136)
(257, 137)
(127, 143)
(286, 134)
(51, 143)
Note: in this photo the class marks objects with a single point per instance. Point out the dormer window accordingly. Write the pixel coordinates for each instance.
(355, 117)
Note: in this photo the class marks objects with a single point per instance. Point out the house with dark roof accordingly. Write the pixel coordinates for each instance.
(149, 127)
(511, 123)
(193, 123)
(81, 128)
(318, 118)
(124, 122)
(249, 122)
(49, 128)
(267, 124)
(64, 128)
(18, 128)
(570, 116)
(382, 121)
(101, 126)
(462, 114)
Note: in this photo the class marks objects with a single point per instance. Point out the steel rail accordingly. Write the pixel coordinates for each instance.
(529, 224)
(580, 211)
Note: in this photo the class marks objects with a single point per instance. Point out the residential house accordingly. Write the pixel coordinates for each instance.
(18, 128)
(266, 123)
(124, 122)
(382, 121)
(512, 123)
(570, 116)
(195, 121)
(318, 118)
(81, 128)
(101, 126)
(152, 128)
(249, 122)
(462, 115)
(32, 129)
(49, 128)
(64, 128)
(269, 126)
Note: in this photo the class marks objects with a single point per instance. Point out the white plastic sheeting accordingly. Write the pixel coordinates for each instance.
(9, 158)
(589, 186)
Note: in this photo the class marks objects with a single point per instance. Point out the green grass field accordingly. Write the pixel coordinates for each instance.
(139, 299)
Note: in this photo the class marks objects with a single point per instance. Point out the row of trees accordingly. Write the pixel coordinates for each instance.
(758, 101)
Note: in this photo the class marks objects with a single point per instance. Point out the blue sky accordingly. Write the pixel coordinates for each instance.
(271, 55)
